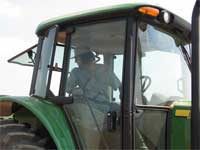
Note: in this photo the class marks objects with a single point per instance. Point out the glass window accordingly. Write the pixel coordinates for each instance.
(165, 76)
(150, 131)
(57, 68)
(43, 69)
(118, 60)
(95, 76)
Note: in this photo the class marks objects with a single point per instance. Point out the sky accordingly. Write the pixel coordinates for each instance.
(19, 19)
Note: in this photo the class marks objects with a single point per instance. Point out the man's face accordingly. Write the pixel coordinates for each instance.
(80, 62)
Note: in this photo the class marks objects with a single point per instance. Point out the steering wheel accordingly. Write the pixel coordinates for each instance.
(146, 82)
(98, 58)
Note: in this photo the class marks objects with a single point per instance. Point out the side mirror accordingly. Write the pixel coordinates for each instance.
(25, 58)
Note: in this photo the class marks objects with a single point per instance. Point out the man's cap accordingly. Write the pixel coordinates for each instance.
(86, 57)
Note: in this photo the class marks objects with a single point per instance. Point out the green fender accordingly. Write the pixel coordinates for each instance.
(51, 116)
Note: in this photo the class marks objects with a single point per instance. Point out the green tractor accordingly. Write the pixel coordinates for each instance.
(111, 78)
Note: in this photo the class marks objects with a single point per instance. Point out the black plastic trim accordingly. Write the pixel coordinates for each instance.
(154, 107)
(36, 66)
(168, 129)
(128, 86)
(195, 115)
(186, 57)
(65, 64)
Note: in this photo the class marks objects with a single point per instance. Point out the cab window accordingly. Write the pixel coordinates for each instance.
(165, 76)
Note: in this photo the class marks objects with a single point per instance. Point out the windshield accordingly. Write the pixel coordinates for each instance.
(165, 75)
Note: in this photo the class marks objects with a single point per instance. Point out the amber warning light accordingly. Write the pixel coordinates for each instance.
(149, 11)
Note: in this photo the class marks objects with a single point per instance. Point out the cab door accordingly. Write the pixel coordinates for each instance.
(95, 84)
(162, 77)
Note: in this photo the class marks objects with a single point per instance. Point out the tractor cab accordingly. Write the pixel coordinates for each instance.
(121, 75)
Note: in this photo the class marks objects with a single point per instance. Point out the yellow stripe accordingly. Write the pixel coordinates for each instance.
(182, 113)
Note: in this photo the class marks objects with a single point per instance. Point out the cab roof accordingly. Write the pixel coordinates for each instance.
(105, 12)
(86, 14)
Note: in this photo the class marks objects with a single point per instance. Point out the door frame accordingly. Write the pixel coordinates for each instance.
(127, 107)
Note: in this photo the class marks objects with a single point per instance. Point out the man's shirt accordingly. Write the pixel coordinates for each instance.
(94, 83)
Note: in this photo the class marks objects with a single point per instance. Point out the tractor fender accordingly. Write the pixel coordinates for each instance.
(50, 115)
